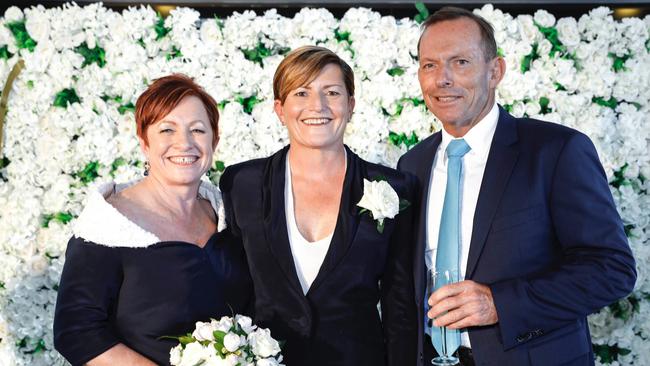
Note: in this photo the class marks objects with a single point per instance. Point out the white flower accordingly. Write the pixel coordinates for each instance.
(246, 323)
(13, 14)
(175, 355)
(204, 331)
(224, 324)
(231, 342)
(263, 344)
(193, 353)
(267, 362)
(380, 199)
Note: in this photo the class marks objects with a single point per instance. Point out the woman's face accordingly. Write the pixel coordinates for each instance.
(179, 147)
(316, 114)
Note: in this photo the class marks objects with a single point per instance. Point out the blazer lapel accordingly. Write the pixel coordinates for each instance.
(501, 161)
(275, 222)
(423, 174)
(348, 218)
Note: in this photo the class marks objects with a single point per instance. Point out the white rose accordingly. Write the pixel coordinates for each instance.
(245, 323)
(267, 362)
(224, 324)
(544, 18)
(262, 343)
(203, 332)
(13, 14)
(175, 355)
(380, 199)
(192, 354)
(231, 342)
(567, 32)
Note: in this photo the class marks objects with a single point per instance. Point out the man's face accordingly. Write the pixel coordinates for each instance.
(458, 83)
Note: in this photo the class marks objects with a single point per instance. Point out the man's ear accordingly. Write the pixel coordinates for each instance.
(497, 69)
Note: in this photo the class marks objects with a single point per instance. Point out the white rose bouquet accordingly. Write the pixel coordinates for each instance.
(381, 201)
(229, 341)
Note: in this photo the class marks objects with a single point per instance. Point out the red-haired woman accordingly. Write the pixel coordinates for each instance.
(151, 258)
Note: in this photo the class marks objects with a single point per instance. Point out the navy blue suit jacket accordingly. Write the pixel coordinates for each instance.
(336, 322)
(546, 238)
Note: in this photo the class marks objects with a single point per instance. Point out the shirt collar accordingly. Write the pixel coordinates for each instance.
(479, 137)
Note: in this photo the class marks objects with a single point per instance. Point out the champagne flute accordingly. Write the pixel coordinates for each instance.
(449, 338)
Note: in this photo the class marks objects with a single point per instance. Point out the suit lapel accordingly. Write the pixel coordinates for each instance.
(347, 221)
(423, 174)
(275, 222)
(501, 161)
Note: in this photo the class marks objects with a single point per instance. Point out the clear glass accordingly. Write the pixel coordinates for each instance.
(435, 280)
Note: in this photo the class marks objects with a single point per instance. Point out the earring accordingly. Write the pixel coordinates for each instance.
(146, 168)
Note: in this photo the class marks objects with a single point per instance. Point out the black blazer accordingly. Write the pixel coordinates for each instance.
(546, 238)
(337, 321)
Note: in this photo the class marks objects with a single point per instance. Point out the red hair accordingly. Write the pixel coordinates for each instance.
(163, 96)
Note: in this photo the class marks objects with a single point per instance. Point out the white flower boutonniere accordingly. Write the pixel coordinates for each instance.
(381, 201)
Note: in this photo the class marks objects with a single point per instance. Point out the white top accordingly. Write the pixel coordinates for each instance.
(307, 256)
(479, 138)
(103, 224)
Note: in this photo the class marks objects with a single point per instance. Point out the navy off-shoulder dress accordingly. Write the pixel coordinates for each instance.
(121, 284)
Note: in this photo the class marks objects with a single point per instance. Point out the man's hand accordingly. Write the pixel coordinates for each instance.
(461, 305)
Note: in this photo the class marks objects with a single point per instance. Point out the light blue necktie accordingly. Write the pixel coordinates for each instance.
(448, 252)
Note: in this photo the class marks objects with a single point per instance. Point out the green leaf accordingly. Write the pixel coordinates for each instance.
(529, 58)
(559, 86)
(423, 12)
(116, 164)
(610, 103)
(551, 35)
(219, 335)
(399, 139)
(40, 347)
(507, 107)
(30, 84)
(222, 104)
(2, 285)
(159, 27)
(609, 354)
(342, 36)
(404, 204)
(61, 217)
(95, 55)
(4, 53)
(543, 103)
(628, 230)
(173, 53)
(66, 97)
(380, 226)
(260, 52)
(248, 103)
(501, 52)
(186, 339)
(141, 43)
(395, 71)
(619, 177)
(4, 162)
(23, 40)
(88, 173)
(126, 107)
(219, 166)
(618, 63)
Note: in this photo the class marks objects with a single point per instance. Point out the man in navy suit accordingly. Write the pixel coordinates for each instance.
(541, 245)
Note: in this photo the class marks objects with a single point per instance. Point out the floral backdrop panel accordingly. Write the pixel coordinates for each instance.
(70, 125)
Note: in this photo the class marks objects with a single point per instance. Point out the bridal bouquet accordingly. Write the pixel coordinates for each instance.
(229, 341)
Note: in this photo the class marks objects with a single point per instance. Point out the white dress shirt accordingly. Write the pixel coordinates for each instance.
(479, 139)
(307, 256)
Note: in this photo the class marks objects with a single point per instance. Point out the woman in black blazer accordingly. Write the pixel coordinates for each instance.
(319, 263)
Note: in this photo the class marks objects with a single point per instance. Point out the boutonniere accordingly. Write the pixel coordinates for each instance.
(381, 201)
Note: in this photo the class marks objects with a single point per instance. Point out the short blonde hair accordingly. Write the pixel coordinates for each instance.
(301, 66)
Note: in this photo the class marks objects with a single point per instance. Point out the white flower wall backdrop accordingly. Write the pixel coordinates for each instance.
(70, 121)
